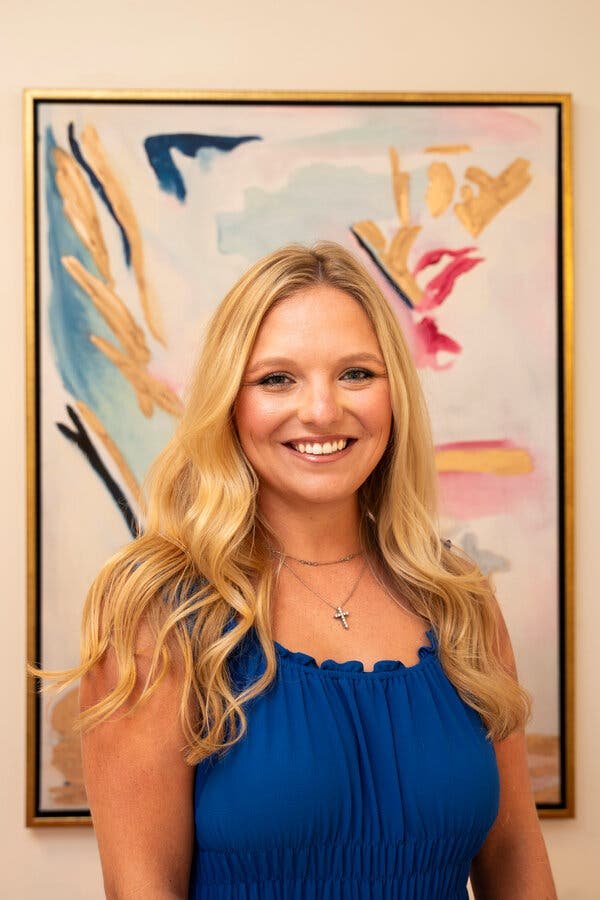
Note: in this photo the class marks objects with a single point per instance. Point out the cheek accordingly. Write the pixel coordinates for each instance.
(256, 418)
(376, 412)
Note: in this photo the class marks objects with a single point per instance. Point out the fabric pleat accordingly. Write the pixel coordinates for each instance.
(348, 785)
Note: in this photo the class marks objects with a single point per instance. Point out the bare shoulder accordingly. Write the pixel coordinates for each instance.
(139, 786)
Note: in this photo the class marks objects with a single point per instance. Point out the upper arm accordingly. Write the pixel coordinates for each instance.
(517, 804)
(139, 787)
(517, 822)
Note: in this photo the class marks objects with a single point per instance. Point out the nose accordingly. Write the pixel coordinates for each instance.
(320, 404)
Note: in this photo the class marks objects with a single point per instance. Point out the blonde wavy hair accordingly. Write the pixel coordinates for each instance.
(202, 561)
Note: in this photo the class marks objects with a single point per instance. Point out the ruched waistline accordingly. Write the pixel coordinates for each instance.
(424, 868)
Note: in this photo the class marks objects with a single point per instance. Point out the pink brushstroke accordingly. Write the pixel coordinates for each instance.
(423, 336)
(428, 341)
(502, 443)
(469, 495)
(440, 286)
(479, 126)
(432, 257)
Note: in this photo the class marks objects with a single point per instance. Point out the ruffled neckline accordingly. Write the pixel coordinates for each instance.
(351, 666)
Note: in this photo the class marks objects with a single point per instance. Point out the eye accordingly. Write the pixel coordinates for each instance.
(365, 373)
(267, 379)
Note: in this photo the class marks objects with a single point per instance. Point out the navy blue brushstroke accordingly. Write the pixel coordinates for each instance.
(158, 150)
(80, 437)
(368, 249)
(99, 188)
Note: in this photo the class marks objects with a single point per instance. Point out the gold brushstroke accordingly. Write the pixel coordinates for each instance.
(400, 187)
(440, 188)
(371, 233)
(66, 753)
(494, 460)
(80, 210)
(149, 390)
(477, 211)
(133, 361)
(394, 258)
(98, 428)
(448, 148)
(397, 261)
(124, 211)
(112, 308)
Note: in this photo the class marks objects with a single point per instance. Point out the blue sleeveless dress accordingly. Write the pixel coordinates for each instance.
(348, 785)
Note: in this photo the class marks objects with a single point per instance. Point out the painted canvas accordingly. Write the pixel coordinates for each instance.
(143, 210)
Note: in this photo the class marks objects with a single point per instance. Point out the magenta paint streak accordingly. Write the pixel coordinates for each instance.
(440, 286)
(432, 257)
(428, 341)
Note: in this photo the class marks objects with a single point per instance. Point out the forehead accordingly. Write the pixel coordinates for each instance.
(323, 314)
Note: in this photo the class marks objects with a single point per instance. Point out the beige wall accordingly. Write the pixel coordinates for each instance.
(523, 45)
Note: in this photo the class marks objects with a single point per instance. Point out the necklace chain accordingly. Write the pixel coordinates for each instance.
(340, 612)
(311, 562)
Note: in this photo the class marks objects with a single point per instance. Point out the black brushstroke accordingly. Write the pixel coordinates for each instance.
(80, 437)
(99, 188)
(404, 297)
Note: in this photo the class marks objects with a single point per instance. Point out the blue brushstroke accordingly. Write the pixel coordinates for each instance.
(302, 209)
(84, 370)
(158, 150)
(99, 188)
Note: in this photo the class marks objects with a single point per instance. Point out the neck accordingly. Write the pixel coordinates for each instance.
(320, 532)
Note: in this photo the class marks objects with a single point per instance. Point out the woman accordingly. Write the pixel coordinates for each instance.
(321, 696)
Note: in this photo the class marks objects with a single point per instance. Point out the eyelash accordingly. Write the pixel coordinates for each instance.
(264, 380)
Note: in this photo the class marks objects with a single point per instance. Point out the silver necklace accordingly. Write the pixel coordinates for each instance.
(340, 613)
(311, 562)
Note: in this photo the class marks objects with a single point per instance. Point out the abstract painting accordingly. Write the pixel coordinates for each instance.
(143, 208)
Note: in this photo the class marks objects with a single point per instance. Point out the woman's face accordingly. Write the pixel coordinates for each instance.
(315, 375)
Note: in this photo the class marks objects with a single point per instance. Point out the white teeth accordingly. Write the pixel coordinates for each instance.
(321, 449)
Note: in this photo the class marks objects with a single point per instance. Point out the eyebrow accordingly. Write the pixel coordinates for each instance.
(284, 361)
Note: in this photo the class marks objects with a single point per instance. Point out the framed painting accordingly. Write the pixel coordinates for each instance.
(143, 208)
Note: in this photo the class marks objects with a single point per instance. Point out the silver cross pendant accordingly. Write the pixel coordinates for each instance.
(340, 614)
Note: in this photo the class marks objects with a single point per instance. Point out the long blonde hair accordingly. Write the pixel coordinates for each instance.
(202, 560)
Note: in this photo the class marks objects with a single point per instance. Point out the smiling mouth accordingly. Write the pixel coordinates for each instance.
(322, 456)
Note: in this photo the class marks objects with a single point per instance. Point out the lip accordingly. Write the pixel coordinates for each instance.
(319, 438)
(321, 458)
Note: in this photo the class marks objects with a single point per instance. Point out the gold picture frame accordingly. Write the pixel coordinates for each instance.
(37, 104)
